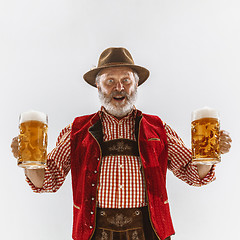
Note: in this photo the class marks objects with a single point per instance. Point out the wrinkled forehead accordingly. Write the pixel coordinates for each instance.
(124, 71)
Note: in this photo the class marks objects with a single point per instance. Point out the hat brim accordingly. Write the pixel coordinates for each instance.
(142, 72)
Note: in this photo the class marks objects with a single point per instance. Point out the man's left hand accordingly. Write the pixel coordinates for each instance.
(225, 142)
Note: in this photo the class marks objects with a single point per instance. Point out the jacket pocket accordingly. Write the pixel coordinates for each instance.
(77, 207)
(154, 139)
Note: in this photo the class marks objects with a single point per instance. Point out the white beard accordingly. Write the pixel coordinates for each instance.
(119, 110)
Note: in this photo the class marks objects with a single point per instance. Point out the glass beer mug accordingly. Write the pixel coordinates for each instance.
(205, 129)
(32, 140)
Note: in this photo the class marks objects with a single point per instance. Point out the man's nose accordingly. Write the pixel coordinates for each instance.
(119, 86)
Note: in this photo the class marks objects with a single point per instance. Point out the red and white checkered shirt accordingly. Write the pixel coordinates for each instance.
(121, 182)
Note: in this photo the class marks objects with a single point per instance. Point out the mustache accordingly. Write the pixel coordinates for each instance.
(121, 93)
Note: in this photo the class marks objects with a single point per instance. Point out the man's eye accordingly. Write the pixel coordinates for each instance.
(126, 80)
(109, 81)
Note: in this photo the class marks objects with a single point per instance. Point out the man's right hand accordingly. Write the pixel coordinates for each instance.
(14, 147)
(35, 175)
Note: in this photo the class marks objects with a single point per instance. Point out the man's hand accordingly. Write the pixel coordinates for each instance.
(35, 175)
(224, 145)
(225, 142)
(14, 147)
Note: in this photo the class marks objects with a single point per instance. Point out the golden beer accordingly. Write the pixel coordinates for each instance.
(205, 129)
(33, 140)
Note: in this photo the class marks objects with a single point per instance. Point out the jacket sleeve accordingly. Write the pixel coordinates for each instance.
(58, 164)
(179, 161)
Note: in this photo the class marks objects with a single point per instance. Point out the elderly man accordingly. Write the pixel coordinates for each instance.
(118, 159)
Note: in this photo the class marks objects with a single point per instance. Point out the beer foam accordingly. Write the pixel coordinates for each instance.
(205, 112)
(33, 116)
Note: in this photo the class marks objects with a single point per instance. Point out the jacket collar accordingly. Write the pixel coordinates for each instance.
(96, 125)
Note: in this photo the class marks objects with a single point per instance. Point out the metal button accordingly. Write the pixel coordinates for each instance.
(137, 212)
(102, 213)
(93, 198)
(98, 159)
(91, 227)
(92, 213)
(95, 171)
(93, 184)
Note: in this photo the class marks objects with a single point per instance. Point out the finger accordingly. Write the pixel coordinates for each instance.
(225, 144)
(14, 144)
(224, 132)
(14, 147)
(223, 151)
(15, 140)
(15, 154)
(225, 135)
(225, 148)
(225, 139)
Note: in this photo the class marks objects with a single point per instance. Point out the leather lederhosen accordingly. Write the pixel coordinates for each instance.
(124, 224)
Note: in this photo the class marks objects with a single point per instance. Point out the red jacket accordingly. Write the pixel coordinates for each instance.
(86, 138)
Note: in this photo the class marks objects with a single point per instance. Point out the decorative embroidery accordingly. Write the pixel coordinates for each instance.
(104, 235)
(135, 235)
(119, 220)
(120, 147)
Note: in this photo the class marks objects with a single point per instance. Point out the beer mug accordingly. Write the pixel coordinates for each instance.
(205, 129)
(32, 140)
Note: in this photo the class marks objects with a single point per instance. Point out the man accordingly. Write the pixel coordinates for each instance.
(118, 159)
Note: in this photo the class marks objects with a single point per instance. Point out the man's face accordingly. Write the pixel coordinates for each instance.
(117, 89)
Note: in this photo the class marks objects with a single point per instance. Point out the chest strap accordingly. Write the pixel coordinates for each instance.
(120, 147)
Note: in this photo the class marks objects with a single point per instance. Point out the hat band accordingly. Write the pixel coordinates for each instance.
(115, 63)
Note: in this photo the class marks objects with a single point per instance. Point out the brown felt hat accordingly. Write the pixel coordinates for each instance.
(115, 57)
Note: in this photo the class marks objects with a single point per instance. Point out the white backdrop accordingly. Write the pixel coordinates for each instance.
(192, 51)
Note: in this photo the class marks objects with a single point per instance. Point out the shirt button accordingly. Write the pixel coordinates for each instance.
(91, 227)
(92, 213)
(93, 184)
(98, 159)
(95, 171)
(93, 198)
